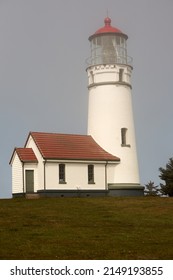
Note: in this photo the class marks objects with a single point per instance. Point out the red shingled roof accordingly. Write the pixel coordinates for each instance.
(26, 154)
(70, 146)
(107, 29)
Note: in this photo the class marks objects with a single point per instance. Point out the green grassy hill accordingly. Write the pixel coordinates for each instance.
(86, 228)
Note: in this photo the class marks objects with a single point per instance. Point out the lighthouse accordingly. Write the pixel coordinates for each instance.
(103, 162)
(110, 112)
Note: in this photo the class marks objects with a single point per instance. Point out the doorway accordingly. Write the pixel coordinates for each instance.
(29, 177)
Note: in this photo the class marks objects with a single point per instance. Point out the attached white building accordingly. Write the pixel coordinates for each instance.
(104, 162)
(60, 165)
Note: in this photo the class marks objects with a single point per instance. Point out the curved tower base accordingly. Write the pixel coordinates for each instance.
(125, 190)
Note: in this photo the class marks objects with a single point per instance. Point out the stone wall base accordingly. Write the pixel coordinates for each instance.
(113, 190)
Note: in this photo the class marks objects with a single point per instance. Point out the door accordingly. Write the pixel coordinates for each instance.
(29, 177)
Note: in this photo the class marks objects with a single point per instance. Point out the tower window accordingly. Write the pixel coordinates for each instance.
(121, 72)
(124, 137)
(61, 173)
(90, 174)
(92, 77)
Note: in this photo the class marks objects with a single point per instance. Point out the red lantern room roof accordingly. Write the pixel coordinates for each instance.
(108, 29)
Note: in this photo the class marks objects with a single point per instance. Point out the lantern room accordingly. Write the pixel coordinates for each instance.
(108, 46)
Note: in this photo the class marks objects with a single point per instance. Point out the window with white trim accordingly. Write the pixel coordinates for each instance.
(90, 174)
(61, 173)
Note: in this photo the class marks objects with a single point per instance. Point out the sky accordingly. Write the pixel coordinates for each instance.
(43, 82)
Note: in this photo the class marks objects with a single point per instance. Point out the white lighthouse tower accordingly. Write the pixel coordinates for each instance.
(110, 113)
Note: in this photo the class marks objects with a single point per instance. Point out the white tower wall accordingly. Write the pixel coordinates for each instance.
(110, 112)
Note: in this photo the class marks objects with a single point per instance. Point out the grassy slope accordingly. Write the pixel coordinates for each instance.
(86, 228)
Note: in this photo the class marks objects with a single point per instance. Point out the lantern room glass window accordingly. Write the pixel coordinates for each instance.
(108, 49)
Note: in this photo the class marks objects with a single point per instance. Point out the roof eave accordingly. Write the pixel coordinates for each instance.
(82, 159)
(11, 159)
(108, 33)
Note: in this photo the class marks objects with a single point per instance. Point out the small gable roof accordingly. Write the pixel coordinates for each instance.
(25, 155)
(70, 147)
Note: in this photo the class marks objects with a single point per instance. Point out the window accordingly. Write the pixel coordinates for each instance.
(61, 173)
(124, 137)
(92, 77)
(121, 75)
(90, 174)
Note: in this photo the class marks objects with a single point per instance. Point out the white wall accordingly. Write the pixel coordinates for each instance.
(109, 110)
(17, 175)
(76, 176)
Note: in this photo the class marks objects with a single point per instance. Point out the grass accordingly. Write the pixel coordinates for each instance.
(86, 228)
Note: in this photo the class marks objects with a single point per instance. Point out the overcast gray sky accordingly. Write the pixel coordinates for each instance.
(43, 82)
